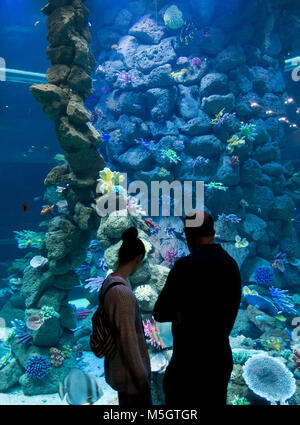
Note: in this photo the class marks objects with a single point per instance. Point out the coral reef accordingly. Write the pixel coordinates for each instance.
(264, 276)
(26, 238)
(280, 384)
(176, 93)
(37, 367)
(56, 357)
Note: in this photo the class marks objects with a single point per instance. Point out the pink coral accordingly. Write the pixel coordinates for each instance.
(170, 257)
(152, 333)
(82, 313)
(151, 224)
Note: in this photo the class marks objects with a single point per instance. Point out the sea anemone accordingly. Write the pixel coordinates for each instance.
(143, 292)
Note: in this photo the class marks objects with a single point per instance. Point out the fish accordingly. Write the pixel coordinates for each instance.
(37, 198)
(118, 133)
(114, 47)
(24, 207)
(48, 209)
(146, 143)
(104, 137)
(260, 318)
(79, 388)
(281, 318)
(36, 23)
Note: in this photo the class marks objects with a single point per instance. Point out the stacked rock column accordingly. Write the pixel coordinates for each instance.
(69, 85)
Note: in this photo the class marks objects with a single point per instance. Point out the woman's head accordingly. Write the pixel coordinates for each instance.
(132, 249)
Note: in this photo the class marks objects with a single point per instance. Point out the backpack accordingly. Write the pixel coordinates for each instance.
(102, 342)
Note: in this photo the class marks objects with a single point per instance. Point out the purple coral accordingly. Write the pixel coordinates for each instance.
(226, 117)
(198, 161)
(94, 284)
(172, 255)
(232, 218)
(178, 145)
(82, 313)
(124, 77)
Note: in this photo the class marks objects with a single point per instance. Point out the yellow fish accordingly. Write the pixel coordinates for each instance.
(36, 23)
(114, 47)
(281, 318)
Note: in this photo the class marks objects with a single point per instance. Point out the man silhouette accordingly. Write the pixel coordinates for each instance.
(201, 298)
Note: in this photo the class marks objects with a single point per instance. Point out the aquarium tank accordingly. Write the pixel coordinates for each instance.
(97, 96)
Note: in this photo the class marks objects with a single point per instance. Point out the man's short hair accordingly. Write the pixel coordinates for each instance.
(206, 228)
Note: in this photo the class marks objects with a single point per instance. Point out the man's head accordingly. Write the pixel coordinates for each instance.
(199, 235)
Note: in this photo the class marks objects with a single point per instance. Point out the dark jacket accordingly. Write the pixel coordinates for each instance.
(205, 289)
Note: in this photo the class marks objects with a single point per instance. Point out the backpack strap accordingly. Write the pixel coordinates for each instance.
(102, 295)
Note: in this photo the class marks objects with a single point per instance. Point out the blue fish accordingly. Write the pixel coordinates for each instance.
(105, 137)
(146, 143)
(262, 303)
(286, 330)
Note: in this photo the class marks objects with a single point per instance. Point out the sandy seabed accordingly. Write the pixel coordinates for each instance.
(88, 363)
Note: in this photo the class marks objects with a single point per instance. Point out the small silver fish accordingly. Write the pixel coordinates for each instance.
(261, 318)
(79, 388)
